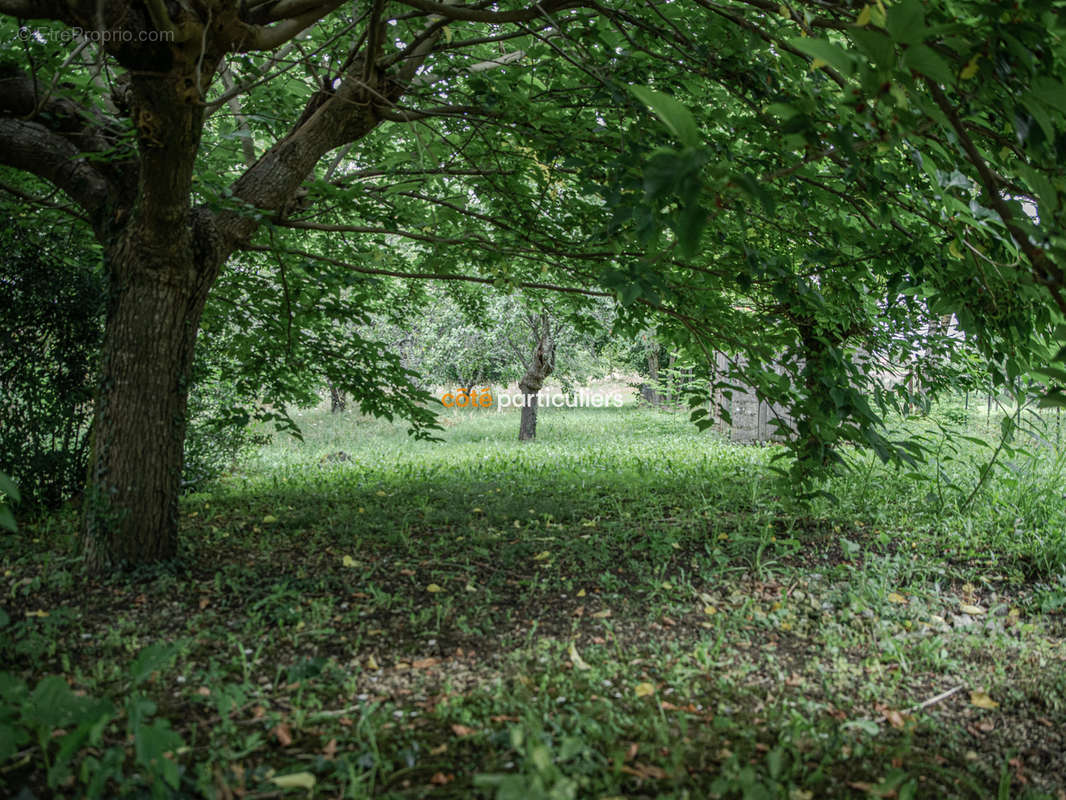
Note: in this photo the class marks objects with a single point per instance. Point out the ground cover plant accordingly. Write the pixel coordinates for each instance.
(624, 608)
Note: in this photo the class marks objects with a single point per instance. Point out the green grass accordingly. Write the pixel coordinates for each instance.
(624, 608)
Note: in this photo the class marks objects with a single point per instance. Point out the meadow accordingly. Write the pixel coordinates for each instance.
(623, 608)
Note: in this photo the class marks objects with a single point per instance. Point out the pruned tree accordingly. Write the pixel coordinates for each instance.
(539, 364)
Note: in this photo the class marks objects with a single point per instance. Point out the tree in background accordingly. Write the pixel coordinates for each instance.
(539, 364)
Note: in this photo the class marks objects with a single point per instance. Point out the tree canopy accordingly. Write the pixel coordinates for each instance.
(804, 184)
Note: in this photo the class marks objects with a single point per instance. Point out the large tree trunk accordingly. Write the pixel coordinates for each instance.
(540, 367)
(131, 514)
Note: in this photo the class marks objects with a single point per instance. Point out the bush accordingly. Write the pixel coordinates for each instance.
(52, 327)
(53, 724)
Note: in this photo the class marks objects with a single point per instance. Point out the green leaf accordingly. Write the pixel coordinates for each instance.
(1043, 119)
(149, 660)
(905, 22)
(8, 487)
(154, 745)
(674, 114)
(1050, 92)
(833, 55)
(11, 739)
(53, 705)
(690, 225)
(876, 46)
(926, 61)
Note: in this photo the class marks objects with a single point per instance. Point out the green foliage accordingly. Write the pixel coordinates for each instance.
(9, 495)
(58, 725)
(545, 768)
(51, 329)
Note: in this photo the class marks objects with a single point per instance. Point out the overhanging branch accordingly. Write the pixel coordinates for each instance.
(32, 148)
(430, 276)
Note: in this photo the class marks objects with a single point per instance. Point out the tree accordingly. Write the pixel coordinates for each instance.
(539, 365)
(122, 138)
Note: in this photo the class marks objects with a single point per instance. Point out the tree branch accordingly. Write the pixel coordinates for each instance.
(34, 9)
(1046, 272)
(32, 148)
(470, 14)
(258, 37)
(432, 276)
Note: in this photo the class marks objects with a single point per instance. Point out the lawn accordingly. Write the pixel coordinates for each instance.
(624, 608)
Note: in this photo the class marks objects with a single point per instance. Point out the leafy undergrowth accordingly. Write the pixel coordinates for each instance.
(622, 609)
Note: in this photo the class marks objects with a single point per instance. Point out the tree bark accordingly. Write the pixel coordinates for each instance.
(161, 263)
(650, 391)
(131, 512)
(540, 367)
(338, 403)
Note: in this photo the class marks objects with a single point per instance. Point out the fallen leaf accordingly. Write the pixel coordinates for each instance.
(440, 779)
(270, 518)
(371, 663)
(895, 719)
(463, 730)
(434, 588)
(644, 689)
(645, 771)
(283, 734)
(440, 748)
(602, 614)
(330, 750)
(579, 662)
(982, 700)
(348, 561)
(424, 663)
(581, 593)
(898, 599)
(296, 780)
(543, 555)
(966, 608)
(203, 691)
(37, 613)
